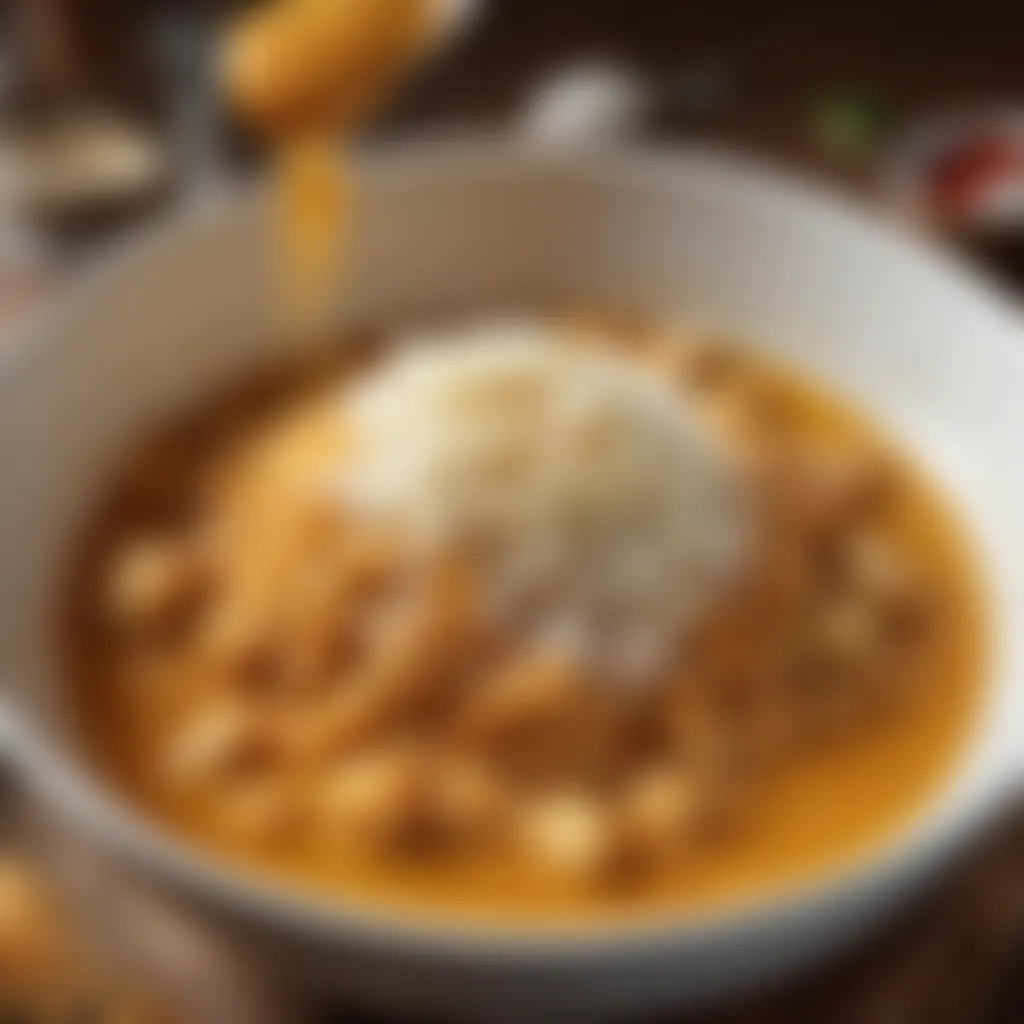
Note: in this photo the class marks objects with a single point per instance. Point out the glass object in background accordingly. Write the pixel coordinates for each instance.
(66, 154)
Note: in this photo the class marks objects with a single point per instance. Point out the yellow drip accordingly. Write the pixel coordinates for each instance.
(314, 200)
(303, 73)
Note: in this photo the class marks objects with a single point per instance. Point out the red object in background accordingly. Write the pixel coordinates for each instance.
(961, 178)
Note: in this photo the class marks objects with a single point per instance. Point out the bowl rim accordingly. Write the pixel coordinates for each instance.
(931, 833)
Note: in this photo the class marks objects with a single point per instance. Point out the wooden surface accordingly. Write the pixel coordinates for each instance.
(780, 56)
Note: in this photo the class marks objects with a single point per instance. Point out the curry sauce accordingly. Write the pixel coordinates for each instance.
(800, 737)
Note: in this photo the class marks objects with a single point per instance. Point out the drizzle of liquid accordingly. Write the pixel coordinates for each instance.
(314, 210)
(302, 74)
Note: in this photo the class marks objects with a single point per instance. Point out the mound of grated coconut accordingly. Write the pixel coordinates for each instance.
(600, 514)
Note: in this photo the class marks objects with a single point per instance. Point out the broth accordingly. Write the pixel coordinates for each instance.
(825, 798)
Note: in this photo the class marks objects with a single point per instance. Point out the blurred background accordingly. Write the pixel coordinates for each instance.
(895, 96)
(109, 115)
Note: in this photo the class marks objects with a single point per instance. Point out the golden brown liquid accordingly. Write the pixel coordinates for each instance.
(314, 200)
(823, 810)
(304, 74)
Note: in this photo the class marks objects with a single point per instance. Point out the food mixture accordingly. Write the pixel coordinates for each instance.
(530, 619)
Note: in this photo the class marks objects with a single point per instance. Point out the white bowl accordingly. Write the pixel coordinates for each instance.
(908, 336)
